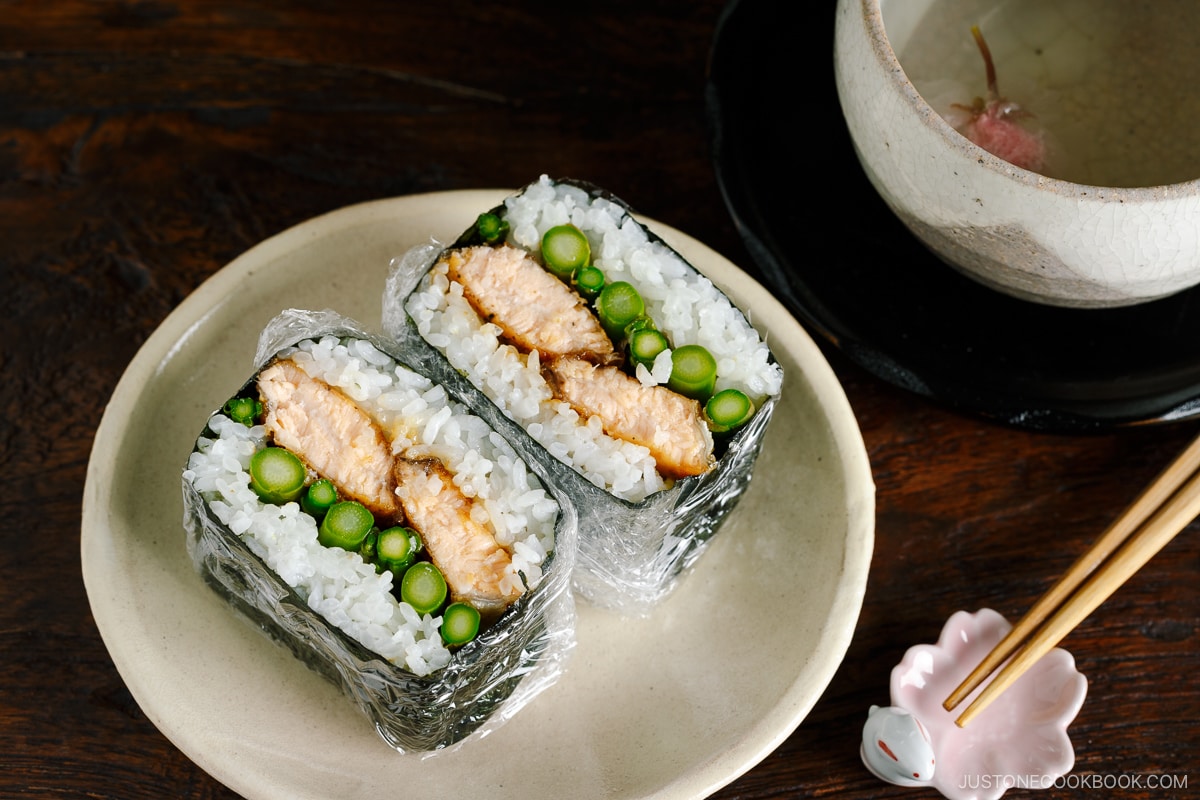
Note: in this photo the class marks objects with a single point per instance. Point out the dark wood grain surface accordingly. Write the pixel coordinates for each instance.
(145, 144)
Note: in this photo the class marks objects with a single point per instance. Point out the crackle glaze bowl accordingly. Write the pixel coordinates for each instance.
(1112, 216)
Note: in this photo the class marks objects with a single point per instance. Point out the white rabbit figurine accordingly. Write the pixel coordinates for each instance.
(896, 747)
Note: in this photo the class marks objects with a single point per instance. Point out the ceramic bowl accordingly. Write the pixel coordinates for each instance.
(1112, 216)
(655, 707)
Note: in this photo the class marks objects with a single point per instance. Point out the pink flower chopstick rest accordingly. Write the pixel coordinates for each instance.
(1019, 741)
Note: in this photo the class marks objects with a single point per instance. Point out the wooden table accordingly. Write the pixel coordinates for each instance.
(144, 144)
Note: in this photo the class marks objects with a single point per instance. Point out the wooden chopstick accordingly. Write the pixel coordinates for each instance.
(1159, 513)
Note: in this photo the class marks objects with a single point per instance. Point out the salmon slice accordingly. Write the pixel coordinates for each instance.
(669, 424)
(466, 552)
(534, 309)
(330, 433)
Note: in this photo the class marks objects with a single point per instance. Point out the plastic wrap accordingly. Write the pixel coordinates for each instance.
(631, 552)
(485, 682)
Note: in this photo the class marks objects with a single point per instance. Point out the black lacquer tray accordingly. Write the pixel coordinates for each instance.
(847, 268)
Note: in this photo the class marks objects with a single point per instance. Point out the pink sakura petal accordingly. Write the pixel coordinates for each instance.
(1007, 139)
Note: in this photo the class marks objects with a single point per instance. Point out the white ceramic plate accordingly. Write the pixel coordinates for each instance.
(676, 704)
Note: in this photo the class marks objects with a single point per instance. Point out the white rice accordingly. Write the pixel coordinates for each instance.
(683, 303)
(419, 419)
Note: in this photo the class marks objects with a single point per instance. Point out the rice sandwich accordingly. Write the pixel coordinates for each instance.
(358, 512)
(638, 388)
